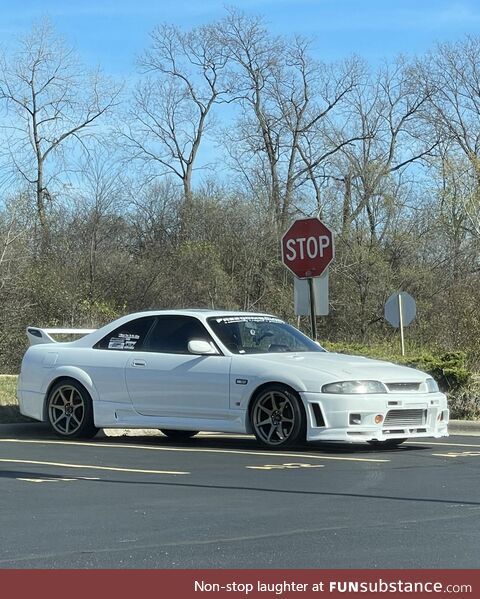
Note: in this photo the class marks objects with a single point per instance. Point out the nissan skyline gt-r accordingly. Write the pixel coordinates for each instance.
(184, 371)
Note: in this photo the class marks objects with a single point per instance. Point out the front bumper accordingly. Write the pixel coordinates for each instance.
(352, 418)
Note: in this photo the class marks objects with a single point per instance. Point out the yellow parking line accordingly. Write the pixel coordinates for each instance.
(56, 480)
(290, 466)
(442, 443)
(90, 467)
(199, 450)
(458, 454)
(45, 480)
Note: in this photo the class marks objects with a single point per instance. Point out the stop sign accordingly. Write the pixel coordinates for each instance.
(307, 248)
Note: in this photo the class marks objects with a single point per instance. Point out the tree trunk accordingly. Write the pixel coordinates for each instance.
(347, 205)
(41, 211)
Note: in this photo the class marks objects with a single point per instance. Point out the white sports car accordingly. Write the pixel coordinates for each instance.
(183, 371)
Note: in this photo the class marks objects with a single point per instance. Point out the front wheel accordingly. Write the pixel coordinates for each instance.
(277, 417)
(388, 444)
(70, 410)
(178, 435)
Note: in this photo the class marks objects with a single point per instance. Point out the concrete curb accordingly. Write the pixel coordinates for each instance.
(464, 427)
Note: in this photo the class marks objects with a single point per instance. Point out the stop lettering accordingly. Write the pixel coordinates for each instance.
(312, 247)
(307, 247)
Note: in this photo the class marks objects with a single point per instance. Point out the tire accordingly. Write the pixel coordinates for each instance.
(388, 444)
(178, 435)
(277, 417)
(70, 410)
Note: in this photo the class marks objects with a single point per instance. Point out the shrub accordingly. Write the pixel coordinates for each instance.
(464, 403)
(447, 369)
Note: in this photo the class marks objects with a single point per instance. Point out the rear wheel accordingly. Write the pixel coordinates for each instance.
(388, 444)
(178, 435)
(277, 417)
(70, 410)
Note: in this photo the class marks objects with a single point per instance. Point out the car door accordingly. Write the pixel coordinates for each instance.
(166, 380)
(106, 365)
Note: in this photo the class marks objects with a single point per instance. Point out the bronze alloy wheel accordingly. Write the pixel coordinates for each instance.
(277, 417)
(70, 412)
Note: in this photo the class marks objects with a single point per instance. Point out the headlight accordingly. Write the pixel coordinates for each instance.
(350, 387)
(432, 386)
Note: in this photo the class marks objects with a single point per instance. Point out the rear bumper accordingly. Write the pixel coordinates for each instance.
(30, 403)
(353, 418)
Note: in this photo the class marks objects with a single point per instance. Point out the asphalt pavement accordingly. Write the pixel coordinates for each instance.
(220, 501)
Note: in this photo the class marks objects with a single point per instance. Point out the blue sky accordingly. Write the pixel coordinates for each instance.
(112, 32)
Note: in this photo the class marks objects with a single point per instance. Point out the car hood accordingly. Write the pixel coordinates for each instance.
(340, 367)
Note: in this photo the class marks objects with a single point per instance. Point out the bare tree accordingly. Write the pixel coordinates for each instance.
(286, 99)
(15, 253)
(172, 105)
(389, 116)
(10, 231)
(453, 70)
(97, 197)
(323, 131)
(52, 102)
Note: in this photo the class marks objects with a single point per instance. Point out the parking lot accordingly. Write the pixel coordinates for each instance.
(221, 501)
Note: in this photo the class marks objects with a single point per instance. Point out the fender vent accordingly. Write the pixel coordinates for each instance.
(318, 415)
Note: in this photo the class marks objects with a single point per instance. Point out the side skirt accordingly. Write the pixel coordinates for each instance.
(112, 415)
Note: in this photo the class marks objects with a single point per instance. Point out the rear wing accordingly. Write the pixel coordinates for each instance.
(37, 335)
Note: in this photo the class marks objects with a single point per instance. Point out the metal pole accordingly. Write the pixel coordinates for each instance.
(312, 308)
(400, 312)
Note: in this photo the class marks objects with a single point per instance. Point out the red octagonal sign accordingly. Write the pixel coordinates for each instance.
(307, 248)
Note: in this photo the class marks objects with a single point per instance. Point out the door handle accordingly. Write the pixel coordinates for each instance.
(139, 363)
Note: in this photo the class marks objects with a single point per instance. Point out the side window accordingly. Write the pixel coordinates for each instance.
(129, 337)
(171, 334)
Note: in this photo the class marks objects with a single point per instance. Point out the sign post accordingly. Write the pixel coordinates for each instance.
(313, 318)
(307, 250)
(400, 310)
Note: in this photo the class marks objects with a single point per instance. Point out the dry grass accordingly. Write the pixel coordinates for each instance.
(8, 385)
(9, 412)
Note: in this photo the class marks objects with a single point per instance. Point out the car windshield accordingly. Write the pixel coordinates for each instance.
(260, 335)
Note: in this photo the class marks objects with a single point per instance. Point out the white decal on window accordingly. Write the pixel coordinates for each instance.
(249, 319)
(116, 343)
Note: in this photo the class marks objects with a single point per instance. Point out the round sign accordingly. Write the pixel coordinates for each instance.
(403, 301)
(307, 248)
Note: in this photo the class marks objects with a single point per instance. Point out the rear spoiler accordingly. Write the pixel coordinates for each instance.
(36, 335)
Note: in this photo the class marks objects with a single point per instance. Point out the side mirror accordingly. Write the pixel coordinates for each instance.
(201, 347)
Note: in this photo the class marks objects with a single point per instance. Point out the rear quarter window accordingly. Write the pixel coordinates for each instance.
(127, 337)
